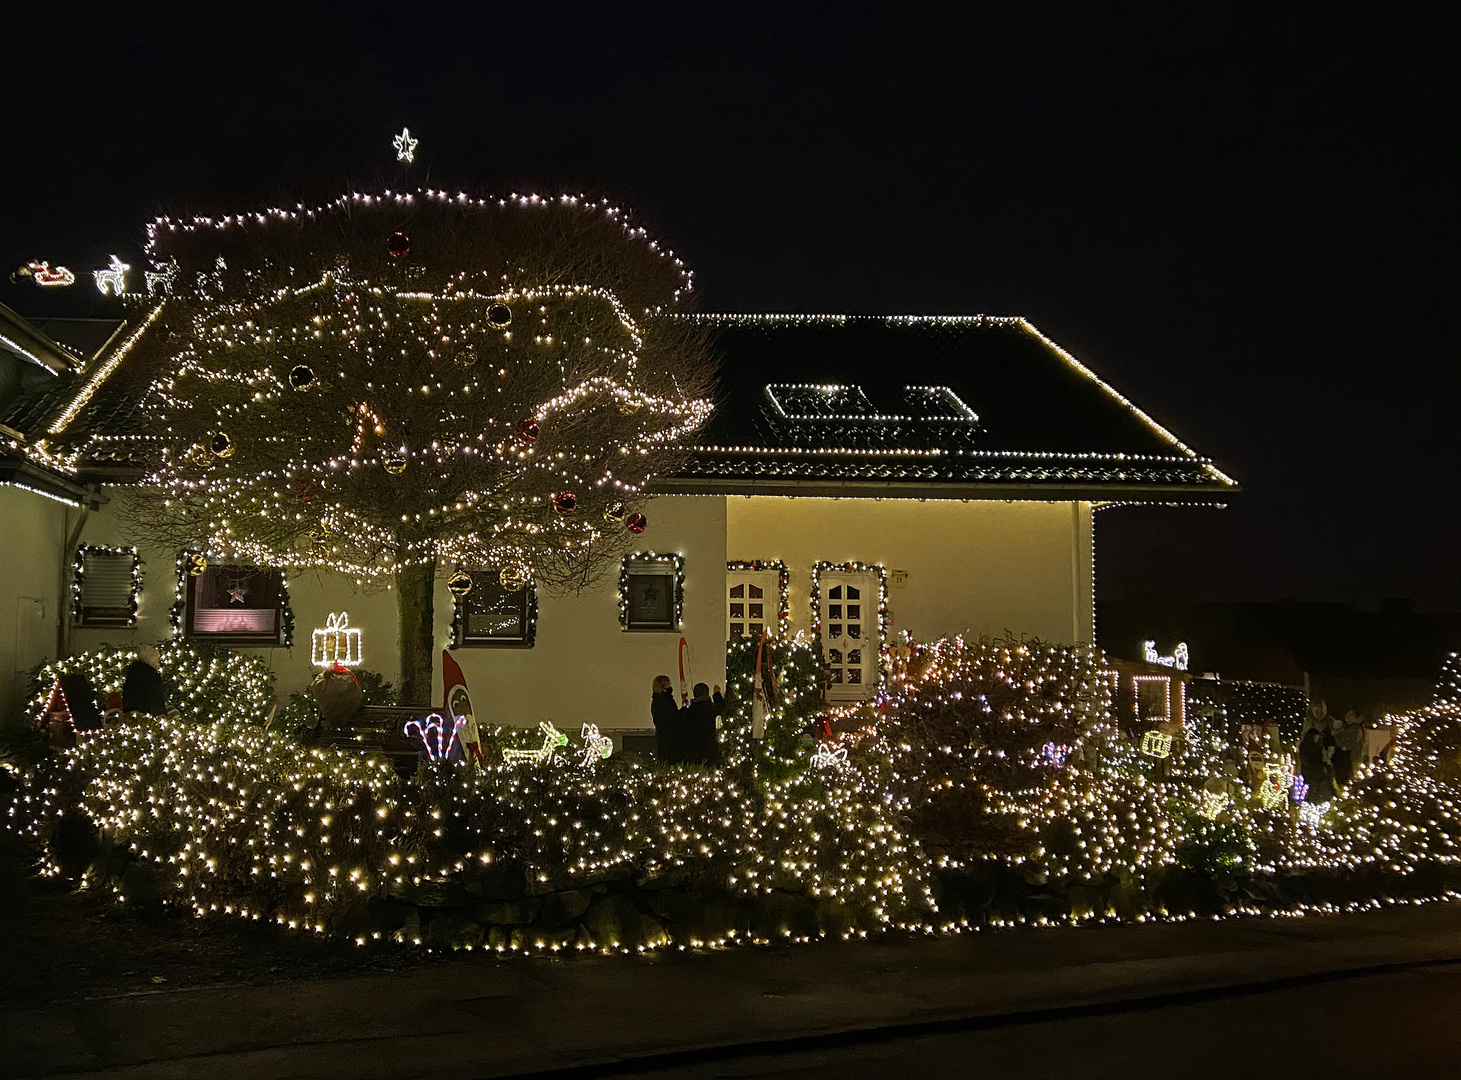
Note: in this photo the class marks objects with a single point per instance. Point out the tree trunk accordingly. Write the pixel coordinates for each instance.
(415, 626)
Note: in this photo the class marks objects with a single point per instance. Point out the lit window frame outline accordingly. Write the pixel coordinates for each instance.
(673, 565)
(179, 614)
(529, 638)
(78, 571)
(783, 583)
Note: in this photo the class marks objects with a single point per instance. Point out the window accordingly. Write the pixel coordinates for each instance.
(492, 616)
(651, 592)
(755, 599)
(1153, 697)
(104, 586)
(238, 605)
(848, 604)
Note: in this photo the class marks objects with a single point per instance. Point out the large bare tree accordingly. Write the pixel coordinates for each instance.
(395, 386)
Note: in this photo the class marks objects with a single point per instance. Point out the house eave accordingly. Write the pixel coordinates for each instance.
(903, 489)
(24, 474)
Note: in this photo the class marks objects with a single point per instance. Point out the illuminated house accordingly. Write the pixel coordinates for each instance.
(949, 487)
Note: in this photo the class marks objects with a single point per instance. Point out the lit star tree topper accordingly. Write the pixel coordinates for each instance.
(405, 146)
(468, 365)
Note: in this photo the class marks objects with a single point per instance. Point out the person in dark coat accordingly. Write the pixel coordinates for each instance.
(668, 723)
(1314, 765)
(702, 741)
(142, 687)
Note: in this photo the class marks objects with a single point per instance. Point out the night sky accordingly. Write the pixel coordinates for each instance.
(1242, 215)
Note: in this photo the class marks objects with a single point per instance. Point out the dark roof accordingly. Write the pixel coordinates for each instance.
(84, 337)
(946, 405)
(901, 406)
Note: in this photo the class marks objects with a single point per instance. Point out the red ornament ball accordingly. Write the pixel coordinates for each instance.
(399, 245)
(564, 502)
(636, 523)
(527, 431)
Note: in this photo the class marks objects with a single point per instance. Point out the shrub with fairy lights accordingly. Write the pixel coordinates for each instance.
(238, 819)
(203, 682)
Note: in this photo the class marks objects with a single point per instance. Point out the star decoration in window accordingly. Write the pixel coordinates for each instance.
(405, 146)
(236, 594)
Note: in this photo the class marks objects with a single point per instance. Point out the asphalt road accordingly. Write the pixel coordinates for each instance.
(1405, 1025)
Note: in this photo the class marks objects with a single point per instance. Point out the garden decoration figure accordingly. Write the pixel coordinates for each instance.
(827, 758)
(439, 744)
(596, 747)
(552, 739)
(459, 705)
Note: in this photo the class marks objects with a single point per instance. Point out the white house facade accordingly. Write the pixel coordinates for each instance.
(906, 502)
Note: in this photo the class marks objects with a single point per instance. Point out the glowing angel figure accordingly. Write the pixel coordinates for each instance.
(439, 744)
(596, 747)
(827, 758)
(552, 739)
(113, 279)
(405, 146)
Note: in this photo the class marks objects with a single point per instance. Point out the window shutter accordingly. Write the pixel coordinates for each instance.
(107, 587)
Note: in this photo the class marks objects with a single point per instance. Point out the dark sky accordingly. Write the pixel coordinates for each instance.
(1240, 214)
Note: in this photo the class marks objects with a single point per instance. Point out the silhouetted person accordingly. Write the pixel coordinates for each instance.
(702, 741)
(668, 723)
(142, 687)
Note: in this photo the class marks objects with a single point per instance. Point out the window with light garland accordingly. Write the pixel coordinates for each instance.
(492, 616)
(651, 592)
(755, 599)
(105, 585)
(235, 605)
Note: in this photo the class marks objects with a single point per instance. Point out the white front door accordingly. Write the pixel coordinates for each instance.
(849, 611)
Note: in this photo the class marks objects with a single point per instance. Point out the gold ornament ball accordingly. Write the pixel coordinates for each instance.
(395, 464)
(200, 564)
(628, 406)
(616, 513)
(222, 445)
(460, 584)
(513, 578)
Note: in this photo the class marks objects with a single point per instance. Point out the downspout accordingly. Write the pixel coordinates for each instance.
(68, 555)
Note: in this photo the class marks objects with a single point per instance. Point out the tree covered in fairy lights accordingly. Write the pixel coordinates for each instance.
(396, 386)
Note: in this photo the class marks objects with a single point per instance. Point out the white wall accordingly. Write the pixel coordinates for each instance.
(981, 567)
(582, 668)
(33, 533)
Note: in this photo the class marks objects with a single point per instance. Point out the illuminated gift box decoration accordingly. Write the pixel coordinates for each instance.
(1155, 744)
(337, 642)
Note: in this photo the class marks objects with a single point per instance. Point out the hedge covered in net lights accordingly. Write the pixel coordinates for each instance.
(988, 783)
(242, 820)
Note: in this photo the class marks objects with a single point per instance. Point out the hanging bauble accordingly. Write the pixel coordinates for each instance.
(499, 315)
(460, 584)
(221, 445)
(636, 523)
(527, 430)
(197, 564)
(513, 578)
(615, 513)
(399, 245)
(301, 376)
(467, 356)
(628, 406)
(395, 464)
(564, 502)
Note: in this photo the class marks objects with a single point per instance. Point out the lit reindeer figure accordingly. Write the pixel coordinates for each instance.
(552, 739)
(113, 279)
(160, 281)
